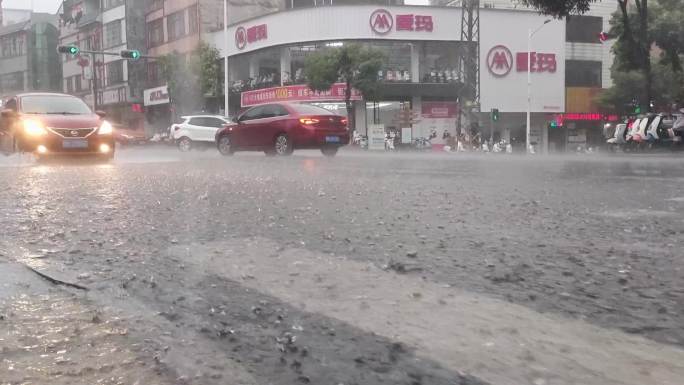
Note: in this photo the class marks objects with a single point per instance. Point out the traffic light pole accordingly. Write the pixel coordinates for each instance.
(125, 54)
(491, 131)
(94, 70)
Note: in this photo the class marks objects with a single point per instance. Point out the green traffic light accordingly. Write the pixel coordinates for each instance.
(131, 54)
(495, 114)
(69, 49)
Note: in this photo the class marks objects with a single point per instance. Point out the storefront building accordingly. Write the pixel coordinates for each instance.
(423, 70)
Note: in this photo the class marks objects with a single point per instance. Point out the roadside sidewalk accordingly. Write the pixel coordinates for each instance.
(50, 335)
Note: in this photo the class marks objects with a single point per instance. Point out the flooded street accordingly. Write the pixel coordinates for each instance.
(367, 268)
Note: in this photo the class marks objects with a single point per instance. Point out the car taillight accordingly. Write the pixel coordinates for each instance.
(308, 121)
(176, 128)
(344, 121)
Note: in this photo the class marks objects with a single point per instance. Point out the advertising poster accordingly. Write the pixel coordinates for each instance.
(436, 119)
(376, 137)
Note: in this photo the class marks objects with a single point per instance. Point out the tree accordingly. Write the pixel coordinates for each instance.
(206, 61)
(355, 65)
(666, 33)
(191, 79)
(633, 46)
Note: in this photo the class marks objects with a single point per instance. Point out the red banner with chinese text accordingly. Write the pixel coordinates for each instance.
(295, 93)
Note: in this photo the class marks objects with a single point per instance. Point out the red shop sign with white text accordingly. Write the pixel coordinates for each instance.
(383, 22)
(500, 61)
(250, 35)
(296, 93)
(439, 110)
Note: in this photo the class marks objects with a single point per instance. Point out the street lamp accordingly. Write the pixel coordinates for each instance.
(530, 33)
(225, 58)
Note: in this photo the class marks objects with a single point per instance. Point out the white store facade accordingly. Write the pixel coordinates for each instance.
(419, 42)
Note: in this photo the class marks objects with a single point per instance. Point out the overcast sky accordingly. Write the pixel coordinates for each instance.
(52, 5)
(38, 5)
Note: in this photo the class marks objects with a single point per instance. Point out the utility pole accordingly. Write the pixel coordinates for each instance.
(226, 88)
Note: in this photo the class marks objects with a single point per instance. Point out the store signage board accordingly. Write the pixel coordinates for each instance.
(376, 137)
(296, 93)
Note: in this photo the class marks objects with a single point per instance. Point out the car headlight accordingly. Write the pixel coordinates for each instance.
(106, 128)
(34, 128)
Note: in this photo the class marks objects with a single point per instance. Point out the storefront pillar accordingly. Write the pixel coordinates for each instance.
(360, 117)
(285, 65)
(415, 62)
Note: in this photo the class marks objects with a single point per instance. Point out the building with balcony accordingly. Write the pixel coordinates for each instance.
(423, 70)
(28, 43)
(107, 82)
(588, 61)
(177, 27)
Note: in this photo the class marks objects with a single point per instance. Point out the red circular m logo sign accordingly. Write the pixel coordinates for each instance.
(381, 21)
(499, 61)
(240, 38)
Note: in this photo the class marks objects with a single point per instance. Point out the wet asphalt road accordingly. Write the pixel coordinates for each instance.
(589, 238)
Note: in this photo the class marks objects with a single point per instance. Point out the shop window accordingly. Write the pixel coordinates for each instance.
(175, 24)
(583, 29)
(12, 82)
(193, 26)
(155, 33)
(107, 4)
(153, 73)
(115, 72)
(78, 86)
(12, 45)
(154, 5)
(583, 73)
(112, 32)
(69, 85)
(439, 62)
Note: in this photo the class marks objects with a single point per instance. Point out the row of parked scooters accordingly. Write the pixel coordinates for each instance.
(649, 132)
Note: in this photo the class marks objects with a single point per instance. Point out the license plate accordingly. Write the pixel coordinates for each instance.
(75, 143)
(332, 139)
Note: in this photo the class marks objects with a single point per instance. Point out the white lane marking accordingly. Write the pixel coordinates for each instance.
(495, 340)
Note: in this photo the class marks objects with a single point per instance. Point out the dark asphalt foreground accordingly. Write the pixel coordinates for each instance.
(364, 269)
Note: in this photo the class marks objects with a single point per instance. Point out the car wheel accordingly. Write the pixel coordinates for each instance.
(283, 145)
(185, 144)
(224, 146)
(329, 151)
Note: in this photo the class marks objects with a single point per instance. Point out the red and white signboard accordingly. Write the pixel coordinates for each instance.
(250, 35)
(383, 22)
(296, 93)
(504, 62)
(330, 24)
(439, 110)
(437, 118)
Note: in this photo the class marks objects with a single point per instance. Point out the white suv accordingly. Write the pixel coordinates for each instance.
(197, 130)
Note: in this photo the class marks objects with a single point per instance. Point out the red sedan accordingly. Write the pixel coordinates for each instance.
(49, 124)
(280, 128)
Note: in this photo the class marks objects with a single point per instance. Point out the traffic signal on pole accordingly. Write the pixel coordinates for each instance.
(495, 114)
(69, 49)
(637, 109)
(133, 54)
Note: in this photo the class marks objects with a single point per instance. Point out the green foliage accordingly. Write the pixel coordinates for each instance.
(191, 78)
(667, 31)
(352, 64)
(628, 85)
(560, 8)
(206, 62)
